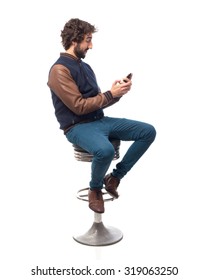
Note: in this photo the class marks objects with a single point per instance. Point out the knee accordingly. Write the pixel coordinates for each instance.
(153, 132)
(105, 153)
(150, 133)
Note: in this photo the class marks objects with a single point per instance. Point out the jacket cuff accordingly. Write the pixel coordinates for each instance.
(108, 95)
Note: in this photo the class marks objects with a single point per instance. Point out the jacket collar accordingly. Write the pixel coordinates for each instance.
(70, 56)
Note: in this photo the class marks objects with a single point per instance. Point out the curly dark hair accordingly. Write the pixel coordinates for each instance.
(74, 31)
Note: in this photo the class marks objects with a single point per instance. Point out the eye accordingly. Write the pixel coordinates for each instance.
(88, 40)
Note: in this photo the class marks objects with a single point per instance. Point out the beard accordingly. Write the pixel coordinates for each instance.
(79, 52)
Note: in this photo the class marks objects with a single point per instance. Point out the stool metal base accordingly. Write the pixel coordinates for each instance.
(99, 235)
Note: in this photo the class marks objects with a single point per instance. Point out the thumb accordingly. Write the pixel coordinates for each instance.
(116, 82)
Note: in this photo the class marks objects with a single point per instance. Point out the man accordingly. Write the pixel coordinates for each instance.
(79, 104)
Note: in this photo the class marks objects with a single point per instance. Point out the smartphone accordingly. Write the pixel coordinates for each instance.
(129, 76)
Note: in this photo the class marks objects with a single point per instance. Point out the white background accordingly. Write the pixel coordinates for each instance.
(162, 209)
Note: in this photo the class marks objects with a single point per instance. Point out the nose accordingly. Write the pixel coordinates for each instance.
(90, 45)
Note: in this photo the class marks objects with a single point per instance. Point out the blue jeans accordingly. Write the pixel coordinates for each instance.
(94, 138)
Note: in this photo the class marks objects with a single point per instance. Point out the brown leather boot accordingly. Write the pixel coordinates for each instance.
(96, 202)
(111, 185)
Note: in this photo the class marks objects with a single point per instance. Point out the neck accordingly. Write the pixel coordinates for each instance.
(71, 52)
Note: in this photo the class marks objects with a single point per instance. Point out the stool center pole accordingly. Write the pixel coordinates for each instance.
(97, 217)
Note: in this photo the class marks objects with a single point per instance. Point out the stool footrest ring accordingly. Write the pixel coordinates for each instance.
(83, 195)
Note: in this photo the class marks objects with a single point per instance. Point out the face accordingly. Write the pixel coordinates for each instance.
(80, 49)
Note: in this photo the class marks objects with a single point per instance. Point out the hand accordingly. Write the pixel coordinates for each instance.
(119, 87)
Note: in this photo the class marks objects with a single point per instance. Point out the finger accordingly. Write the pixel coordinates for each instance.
(116, 82)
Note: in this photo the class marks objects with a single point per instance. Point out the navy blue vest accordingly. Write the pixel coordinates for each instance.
(85, 79)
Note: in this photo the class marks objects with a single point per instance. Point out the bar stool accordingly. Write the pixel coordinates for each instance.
(98, 234)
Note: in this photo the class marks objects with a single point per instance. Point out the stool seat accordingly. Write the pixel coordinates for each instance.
(82, 155)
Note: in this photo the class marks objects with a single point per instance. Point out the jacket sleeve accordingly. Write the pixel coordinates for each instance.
(62, 84)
